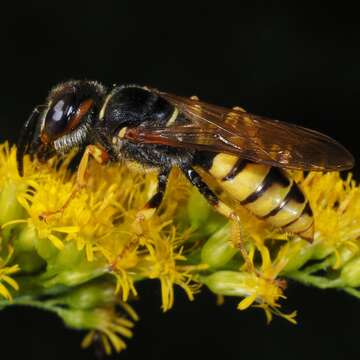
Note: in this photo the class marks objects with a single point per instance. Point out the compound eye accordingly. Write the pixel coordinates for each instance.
(59, 115)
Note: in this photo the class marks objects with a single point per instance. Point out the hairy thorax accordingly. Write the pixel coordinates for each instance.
(151, 155)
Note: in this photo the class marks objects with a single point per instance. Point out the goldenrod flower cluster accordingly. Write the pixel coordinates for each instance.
(85, 262)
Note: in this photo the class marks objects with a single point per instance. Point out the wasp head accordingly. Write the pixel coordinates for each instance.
(64, 122)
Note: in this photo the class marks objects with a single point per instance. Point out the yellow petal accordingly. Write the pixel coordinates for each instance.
(244, 304)
(122, 330)
(10, 281)
(88, 339)
(89, 252)
(117, 343)
(56, 241)
(12, 222)
(5, 292)
(23, 203)
(106, 344)
(67, 229)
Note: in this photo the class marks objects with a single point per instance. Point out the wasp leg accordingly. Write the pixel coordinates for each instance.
(153, 204)
(100, 156)
(222, 208)
(102, 139)
(146, 212)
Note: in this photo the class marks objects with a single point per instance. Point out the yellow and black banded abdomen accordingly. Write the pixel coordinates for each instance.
(268, 192)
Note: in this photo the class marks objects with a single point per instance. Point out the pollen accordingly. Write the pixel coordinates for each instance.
(86, 261)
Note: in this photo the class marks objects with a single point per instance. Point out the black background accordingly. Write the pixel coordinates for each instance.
(296, 63)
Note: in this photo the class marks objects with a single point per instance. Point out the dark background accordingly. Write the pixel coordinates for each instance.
(299, 64)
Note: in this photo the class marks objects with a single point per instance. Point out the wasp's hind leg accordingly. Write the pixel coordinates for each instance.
(222, 208)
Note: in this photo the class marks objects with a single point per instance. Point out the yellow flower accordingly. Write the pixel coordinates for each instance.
(107, 325)
(99, 222)
(5, 278)
(260, 288)
(336, 207)
(162, 262)
(85, 261)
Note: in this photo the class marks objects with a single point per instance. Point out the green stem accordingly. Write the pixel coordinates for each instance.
(353, 292)
(317, 281)
(27, 301)
(320, 266)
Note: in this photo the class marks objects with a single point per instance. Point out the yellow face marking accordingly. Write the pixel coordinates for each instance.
(122, 132)
(102, 111)
(173, 117)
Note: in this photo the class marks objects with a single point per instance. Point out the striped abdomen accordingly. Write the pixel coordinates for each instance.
(268, 192)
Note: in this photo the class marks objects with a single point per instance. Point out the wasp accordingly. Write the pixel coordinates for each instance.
(246, 154)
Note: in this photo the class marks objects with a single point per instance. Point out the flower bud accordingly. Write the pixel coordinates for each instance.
(321, 251)
(198, 209)
(95, 294)
(79, 319)
(83, 273)
(44, 247)
(67, 258)
(26, 239)
(350, 273)
(345, 253)
(228, 283)
(218, 250)
(201, 215)
(10, 207)
(29, 262)
(300, 251)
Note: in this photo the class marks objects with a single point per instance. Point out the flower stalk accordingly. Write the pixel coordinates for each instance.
(85, 262)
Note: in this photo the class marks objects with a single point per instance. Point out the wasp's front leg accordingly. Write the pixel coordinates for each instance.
(100, 156)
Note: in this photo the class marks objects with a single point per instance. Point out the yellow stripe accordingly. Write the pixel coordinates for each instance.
(122, 132)
(309, 233)
(102, 111)
(252, 177)
(173, 117)
(301, 224)
(269, 200)
(244, 183)
(291, 211)
(222, 165)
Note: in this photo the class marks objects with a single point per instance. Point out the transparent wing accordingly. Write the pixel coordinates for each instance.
(249, 136)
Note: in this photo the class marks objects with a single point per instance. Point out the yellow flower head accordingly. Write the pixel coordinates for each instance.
(5, 279)
(85, 261)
